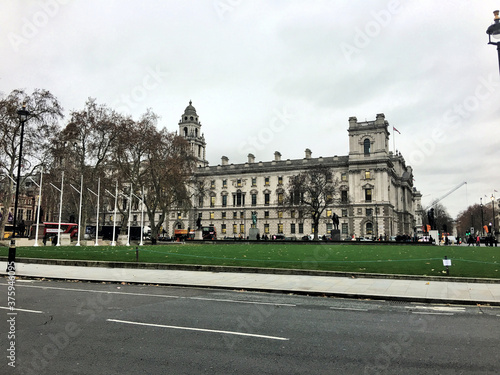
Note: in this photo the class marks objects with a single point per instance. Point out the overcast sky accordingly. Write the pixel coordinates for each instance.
(268, 76)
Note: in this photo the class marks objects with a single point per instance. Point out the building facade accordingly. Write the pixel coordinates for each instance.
(376, 196)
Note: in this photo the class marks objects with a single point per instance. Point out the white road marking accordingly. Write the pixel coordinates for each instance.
(430, 313)
(155, 295)
(25, 310)
(348, 308)
(438, 308)
(199, 329)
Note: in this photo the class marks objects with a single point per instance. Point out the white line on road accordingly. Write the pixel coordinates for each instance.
(438, 308)
(25, 310)
(348, 309)
(199, 329)
(430, 313)
(154, 295)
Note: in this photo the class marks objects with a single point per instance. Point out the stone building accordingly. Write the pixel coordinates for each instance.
(376, 196)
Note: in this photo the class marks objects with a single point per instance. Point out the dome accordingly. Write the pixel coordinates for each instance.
(190, 110)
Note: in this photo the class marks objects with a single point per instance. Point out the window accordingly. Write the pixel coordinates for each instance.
(280, 180)
(366, 145)
(266, 228)
(254, 199)
(212, 184)
(368, 195)
(242, 228)
(242, 215)
(266, 214)
(343, 196)
(280, 228)
(369, 212)
(179, 216)
(328, 213)
(292, 228)
(266, 181)
(280, 198)
(134, 218)
(367, 175)
(239, 198)
(224, 200)
(224, 183)
(223, 214)
(343, 177)
(345, 228)
(235, 215)
(212, 201)
(212, 215)
(266, 199)
(238, 182)
(254, 181)
(223, 228)
(200, 201)
(344, 212)
(369, 228)
(280, 214)
(235, 228)
(292, 214)
(301, 228)
(329, 228)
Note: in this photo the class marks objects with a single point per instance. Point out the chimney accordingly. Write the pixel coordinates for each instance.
(277, 156)
(225, 160)
(308, 153)
(251, 158)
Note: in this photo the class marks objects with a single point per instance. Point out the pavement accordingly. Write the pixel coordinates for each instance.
(417, 289)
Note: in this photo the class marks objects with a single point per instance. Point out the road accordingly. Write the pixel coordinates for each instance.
(76, 327)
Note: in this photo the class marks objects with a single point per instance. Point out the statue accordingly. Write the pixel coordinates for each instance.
(254, 218)
(198, 223)
(335, 220)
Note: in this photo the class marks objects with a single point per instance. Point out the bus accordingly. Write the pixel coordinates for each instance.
(209, 232)
(51, 229)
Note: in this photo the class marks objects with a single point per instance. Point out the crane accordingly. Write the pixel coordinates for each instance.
(436, 201)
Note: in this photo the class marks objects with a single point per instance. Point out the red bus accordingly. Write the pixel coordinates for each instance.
(50, 229)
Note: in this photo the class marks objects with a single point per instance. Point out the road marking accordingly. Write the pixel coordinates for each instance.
(25, 310)
(156, 295)
(438, 308)
(348, 308)
(237, 301)
(430, 313)
(200, 329)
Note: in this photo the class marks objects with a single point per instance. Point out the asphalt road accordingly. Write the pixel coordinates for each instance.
(101, 328)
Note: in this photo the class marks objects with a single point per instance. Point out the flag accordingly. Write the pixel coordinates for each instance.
(396, 130)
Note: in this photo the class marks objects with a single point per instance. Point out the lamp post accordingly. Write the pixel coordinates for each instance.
(482, 221)
(23, 117)
(494, 31)
(493, 208)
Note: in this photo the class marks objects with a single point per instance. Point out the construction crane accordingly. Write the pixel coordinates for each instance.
(436, 201)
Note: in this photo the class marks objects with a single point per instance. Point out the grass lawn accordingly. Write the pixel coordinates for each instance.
(370, 258)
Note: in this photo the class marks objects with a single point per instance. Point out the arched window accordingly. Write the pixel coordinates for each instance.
(196, 132)
(367, 145)
(185, 132)
(369, 228)
(191, 118)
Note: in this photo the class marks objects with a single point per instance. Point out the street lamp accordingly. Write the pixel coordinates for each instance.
(482, 221)
(23, 115)
(493, 208)
(494, 31)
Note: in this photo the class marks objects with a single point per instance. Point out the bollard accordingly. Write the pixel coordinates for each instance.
(136, 254)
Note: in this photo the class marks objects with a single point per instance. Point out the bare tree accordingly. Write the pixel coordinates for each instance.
(311, 192)
(39, 131)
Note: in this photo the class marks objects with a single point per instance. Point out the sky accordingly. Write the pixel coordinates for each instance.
(268, 76)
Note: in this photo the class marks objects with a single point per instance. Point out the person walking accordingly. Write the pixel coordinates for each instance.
(478, 241)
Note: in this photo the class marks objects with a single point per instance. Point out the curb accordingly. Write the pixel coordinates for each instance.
(272, 271)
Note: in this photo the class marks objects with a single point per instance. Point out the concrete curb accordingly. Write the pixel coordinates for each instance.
(273, 271)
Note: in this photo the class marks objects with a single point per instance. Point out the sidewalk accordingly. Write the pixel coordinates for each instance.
(420, 290)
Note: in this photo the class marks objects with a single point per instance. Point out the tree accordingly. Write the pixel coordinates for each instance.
(159, 162)
(310, 192)
(442, 219)
(84, 148)
(475, 217)
(39, 131)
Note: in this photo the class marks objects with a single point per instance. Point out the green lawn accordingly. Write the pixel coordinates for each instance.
(371, 258)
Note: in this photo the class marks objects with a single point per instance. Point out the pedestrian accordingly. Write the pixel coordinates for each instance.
(44, 239)
(478, 241)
